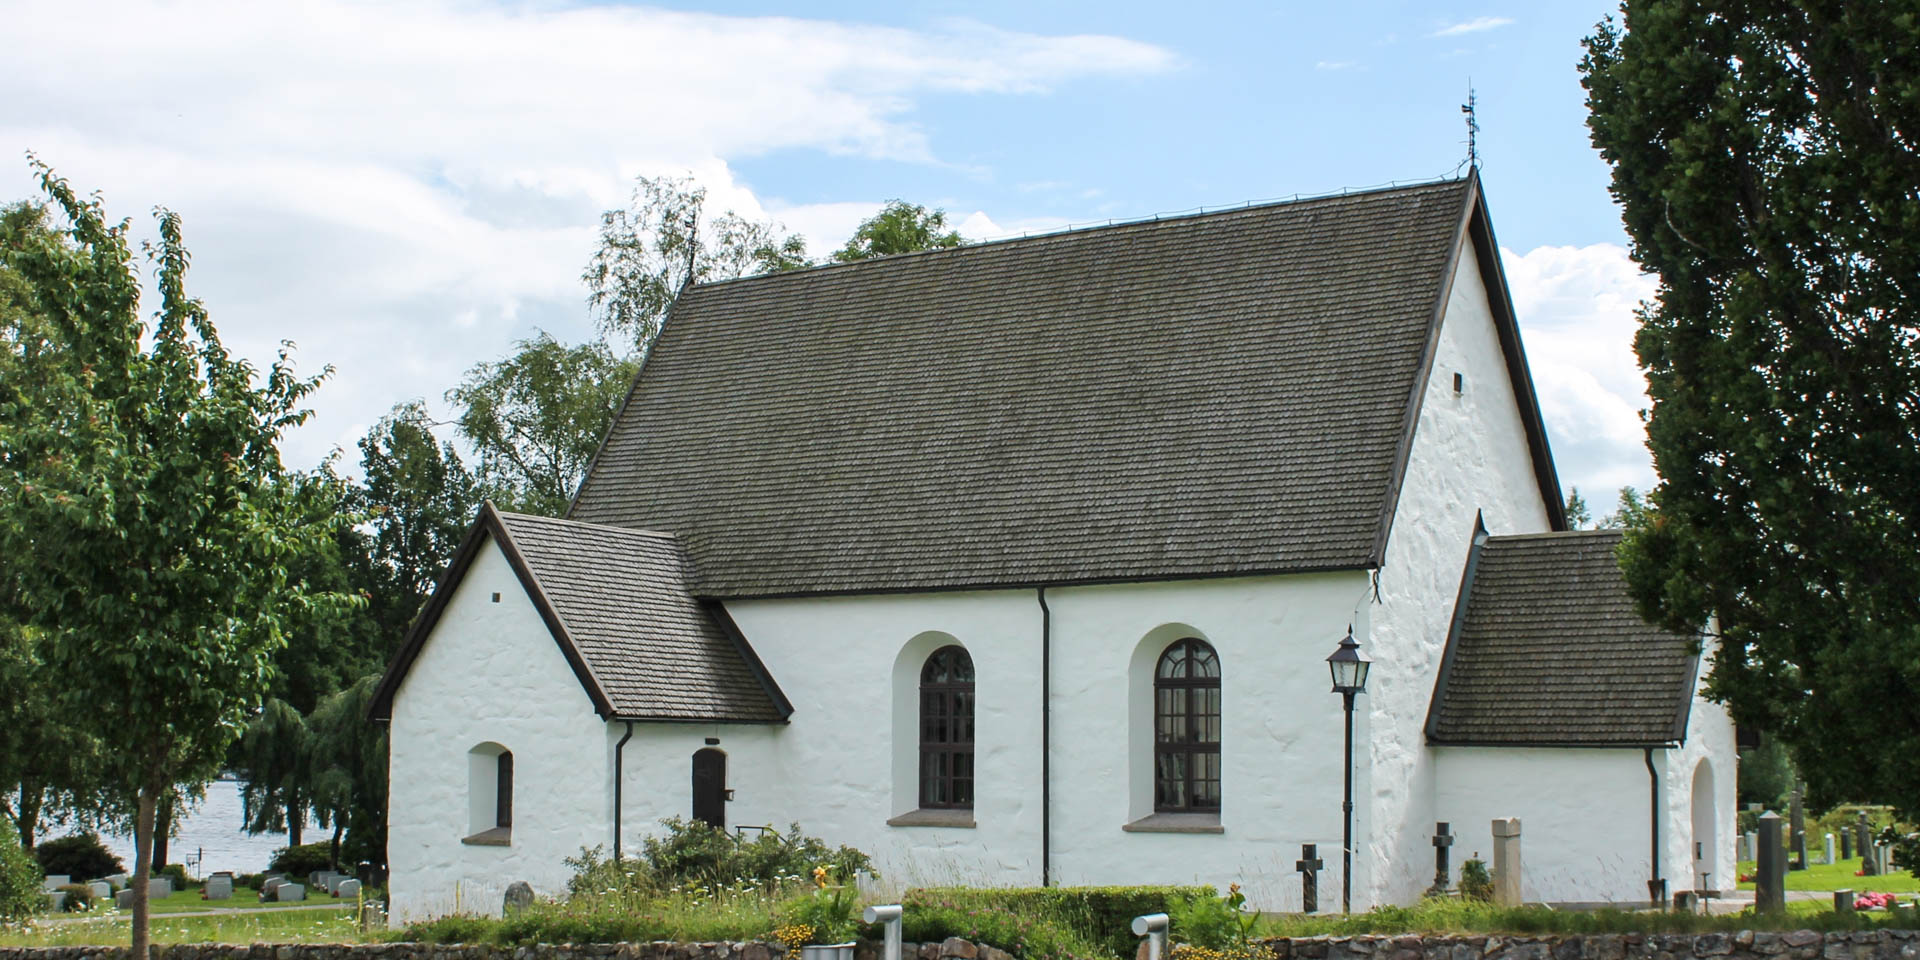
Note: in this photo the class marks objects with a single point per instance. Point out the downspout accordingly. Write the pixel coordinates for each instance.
(619, 780)
(1046, 740)
(1656, 886)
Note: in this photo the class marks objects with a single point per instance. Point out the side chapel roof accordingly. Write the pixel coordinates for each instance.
(1224, 394)
(616, 602)
(1547, 650)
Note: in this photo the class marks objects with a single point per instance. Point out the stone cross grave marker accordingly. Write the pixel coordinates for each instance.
(1770, 874)
(1309, 866)
(1506, 862)
(1442, 847)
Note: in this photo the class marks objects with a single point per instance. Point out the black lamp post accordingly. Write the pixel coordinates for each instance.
(1349, 670)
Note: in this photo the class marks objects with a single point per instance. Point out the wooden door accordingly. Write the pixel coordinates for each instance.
(710, 787)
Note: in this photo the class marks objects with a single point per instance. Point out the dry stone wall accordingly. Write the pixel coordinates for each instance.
(1744, 945)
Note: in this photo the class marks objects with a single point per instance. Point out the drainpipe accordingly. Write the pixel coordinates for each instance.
(619, 780)
(1046, 740)
(1656, 886)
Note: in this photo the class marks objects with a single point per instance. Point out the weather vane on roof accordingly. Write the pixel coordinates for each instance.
(1473, 128)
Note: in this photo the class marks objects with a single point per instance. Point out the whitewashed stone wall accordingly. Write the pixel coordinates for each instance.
(1469, 456)
(491, 672)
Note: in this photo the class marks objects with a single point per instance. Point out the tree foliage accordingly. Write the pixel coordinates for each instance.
(140, 472)
(1766, 157)
(1579, 515)
(536, 418)
(899, 227)
(418, 498)
(663, 241)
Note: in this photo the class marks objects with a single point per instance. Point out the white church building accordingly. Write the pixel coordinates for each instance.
(1020, 564)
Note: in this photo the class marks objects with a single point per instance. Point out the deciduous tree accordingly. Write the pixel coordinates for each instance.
(899, 227)
(140, 472)
(536, 418)
(1766, 157)
(666, 239)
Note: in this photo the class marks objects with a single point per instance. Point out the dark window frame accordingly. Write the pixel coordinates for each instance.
(1181, 703)
(503, 789)
(946, 772)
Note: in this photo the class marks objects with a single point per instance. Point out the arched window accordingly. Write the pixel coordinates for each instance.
(946, 730)
(1186, 729)
(489, 794)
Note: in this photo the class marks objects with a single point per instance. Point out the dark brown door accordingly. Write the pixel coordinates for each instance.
(710, 788)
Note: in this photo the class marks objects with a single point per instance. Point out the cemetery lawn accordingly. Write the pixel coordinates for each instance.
(188, 901)
(1839, 876)
(290, 925)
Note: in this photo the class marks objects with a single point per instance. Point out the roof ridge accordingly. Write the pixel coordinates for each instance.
(1560, 534)
(1143, 221)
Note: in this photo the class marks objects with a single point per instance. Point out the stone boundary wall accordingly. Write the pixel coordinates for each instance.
(1744, 945)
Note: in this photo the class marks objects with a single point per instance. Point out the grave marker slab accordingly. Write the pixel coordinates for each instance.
(519, 897)
(100, 889)
(1828, 858)
(123, 899)
(1770, 873)
(289, 893)
(159, 888)
(348, 889)
(1506, 862)
(55, 881)
(219, 888)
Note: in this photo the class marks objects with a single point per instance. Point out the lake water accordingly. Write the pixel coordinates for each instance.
(211, 831)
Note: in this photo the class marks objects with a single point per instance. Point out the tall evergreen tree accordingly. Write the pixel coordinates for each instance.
(1766, 158)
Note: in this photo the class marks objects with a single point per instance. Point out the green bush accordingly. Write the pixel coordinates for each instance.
(1216, 923)
(81, 856)
(298, 862)
(177, 872)
(20, 876)
(692, 852)
(1475, 882)
(683, 917)
(79, 898)
(1099, 917)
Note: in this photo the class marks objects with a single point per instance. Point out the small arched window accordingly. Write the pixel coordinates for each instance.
(489, 794)
(1186, 729)
(946, 730)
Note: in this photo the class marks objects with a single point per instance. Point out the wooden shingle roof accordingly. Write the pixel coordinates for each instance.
(1224, 394)
(617, 604)
(1546, 650)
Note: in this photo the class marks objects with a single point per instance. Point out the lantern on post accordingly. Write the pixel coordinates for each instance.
(1349, 671)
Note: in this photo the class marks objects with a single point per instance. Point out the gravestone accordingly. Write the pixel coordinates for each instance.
(1843, 901)
(1846, 844)
(1797, 813)
(1742, 848)
(1506, 862)
(1863, 838)
(334, 882)
(268, 886)
(1442, 869)
(119, 880)
(1770, 873)
(123, 899)
(348, 888)
(159, 888)
(100, 889)
(1829, 857)
(519, 897)
(56, 901)
(289, 893)
(54, 882)
(219, 888)
(1309, 866)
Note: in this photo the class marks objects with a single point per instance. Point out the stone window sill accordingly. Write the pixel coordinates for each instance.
(1176, 823)
(496, 837)
(934, 818)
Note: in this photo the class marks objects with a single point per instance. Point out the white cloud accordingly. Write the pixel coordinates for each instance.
(977, 226)
(1334, 65)
(403, 188)
(1576, 308)
(1476, 25)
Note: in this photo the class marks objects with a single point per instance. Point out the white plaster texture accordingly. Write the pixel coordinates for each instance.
(1469, 456)
(490, 673)
(1710, 739)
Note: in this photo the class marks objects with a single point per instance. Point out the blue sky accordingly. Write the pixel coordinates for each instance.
(405, 188)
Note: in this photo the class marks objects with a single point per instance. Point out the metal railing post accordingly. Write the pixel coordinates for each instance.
(889, 915)
(1153, 926)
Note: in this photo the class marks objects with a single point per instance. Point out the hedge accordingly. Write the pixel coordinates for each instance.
(1102, 915)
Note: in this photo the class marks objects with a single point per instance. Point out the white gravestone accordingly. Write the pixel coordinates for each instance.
(101, 889)
(55, 881)
(159, 888)
(289, 892)
(119, 880)
(219, 888)
(123, 899)
(1506, 862)
(1829, 851)
(348, 889)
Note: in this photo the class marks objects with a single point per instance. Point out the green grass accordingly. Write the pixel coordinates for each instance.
(1839, 876)
(256, 926)
(188, 901)
(1469, 917)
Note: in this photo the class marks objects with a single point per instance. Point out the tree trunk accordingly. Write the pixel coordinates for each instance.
(333, 849)
(162, 828)
(296, 819)
(142, 869)
(29, 817)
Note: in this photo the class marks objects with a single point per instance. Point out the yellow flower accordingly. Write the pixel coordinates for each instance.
(820, 877)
